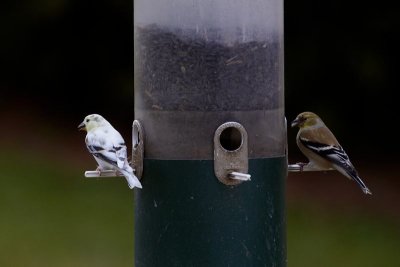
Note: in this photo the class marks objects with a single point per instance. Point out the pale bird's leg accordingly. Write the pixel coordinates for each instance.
(99, 170)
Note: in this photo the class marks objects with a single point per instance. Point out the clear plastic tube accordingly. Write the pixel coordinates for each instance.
(201, 63)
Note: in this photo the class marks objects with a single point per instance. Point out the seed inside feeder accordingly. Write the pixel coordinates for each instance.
(185, 70)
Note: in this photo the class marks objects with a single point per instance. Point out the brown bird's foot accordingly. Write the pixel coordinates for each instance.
(301, 164)
(366, 191)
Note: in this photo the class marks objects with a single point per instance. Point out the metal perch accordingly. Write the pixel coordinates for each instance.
(298, 167)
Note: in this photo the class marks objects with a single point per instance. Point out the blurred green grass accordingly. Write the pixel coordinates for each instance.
(52, 216)
(322, 238)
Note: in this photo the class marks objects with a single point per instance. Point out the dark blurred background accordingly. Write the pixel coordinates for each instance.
(62, 60)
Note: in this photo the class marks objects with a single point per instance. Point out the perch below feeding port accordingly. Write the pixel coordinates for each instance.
(131, 178)
(105, 173)
(304, 168)
(239, 176)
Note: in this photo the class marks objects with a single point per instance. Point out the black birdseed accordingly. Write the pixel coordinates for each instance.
(184, 71)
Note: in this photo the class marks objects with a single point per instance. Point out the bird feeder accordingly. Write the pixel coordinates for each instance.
(209, 99)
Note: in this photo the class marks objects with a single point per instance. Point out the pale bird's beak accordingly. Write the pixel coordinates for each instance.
(82, 127)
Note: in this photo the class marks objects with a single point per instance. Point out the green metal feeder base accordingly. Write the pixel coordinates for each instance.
(185, 217)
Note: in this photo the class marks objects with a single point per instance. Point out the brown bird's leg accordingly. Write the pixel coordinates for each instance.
(301, 164)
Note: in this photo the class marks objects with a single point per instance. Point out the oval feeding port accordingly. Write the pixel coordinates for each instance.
(231, 138)
(231, 153)
(135, 135)
(137, 148)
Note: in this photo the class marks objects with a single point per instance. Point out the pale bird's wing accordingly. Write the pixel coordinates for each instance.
(121, 154)
(101, 147)
(118, 145)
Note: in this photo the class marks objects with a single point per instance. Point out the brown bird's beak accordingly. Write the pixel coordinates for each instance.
(82, 127)
(295, 122)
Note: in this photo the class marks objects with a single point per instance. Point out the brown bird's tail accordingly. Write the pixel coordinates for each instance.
(364, 188)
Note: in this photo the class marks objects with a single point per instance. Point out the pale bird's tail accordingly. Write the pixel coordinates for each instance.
(132, 180)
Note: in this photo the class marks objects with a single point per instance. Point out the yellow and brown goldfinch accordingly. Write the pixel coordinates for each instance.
(322, 149)
(108, 147)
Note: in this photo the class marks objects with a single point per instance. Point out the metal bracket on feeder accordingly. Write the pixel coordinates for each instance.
(231, 163)
(137, 148)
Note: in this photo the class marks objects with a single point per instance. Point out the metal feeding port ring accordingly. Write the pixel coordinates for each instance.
(231, 162)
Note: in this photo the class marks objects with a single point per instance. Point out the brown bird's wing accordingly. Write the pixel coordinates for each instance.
(322, 142)
(320, 135)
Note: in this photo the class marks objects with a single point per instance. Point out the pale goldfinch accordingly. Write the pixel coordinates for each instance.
(108, 147)
(322, 149)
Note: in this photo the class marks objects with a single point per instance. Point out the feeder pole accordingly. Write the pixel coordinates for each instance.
(209, 99)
